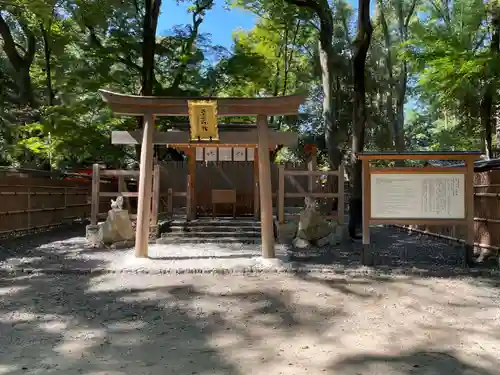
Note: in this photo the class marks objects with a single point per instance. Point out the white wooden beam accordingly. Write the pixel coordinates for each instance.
(226, 138)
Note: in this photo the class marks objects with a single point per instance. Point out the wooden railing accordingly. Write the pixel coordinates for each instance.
(312, 192)
(97, 173)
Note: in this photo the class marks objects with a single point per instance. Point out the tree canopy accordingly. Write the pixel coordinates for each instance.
(410, 74)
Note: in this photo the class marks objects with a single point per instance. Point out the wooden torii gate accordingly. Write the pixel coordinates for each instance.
(150, 107)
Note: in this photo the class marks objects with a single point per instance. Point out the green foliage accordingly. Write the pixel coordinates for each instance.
(94, 44)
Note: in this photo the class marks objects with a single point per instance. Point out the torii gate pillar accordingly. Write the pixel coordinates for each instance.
(145, 182)
(266, 198)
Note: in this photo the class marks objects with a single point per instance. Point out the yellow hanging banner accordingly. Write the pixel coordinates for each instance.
(203, 120)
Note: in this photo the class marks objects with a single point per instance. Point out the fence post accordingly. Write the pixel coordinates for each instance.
(170, 208)
(155, 204)
(256, 187)
(311, 166)
(188, 198)
(29, 207)
(281, 194)
(65, 211)
(95, 194)
(122, 187)
(341, 199)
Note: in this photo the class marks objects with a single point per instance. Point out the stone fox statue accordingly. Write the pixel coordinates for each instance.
(117, 204)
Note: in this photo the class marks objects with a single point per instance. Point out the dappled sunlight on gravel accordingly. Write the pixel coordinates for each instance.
(262, 324)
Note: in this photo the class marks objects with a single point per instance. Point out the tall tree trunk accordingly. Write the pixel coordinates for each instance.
(497, 131)
(361, 45)
(149, 24)
(329, 119)
(288, 61)
(486, 120)
(399, 86)
(48, 77)
(47, 55)
(151, 13)
(495, 49)
(489, 96)
(327, 58)
(400, 107)
(403, 23)
(391, 116)
(21, 64)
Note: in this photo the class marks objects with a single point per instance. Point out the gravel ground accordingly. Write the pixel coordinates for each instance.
(65, 249)
(266, 324)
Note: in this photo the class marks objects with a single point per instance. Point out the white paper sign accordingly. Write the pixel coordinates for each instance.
(210, 153)
(225, 154)
(199, 153)
(239, 154)
(418, 196)
(250, 153)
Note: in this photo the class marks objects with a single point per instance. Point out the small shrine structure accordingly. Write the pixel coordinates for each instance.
(204, 132)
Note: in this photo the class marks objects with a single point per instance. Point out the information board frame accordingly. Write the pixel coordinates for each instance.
(467, 170)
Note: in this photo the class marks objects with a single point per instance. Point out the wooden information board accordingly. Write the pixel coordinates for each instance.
(421, 195)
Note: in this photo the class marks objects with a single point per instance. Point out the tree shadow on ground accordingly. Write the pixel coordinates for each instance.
(371, 287)
(278, 307)
(57, 325)
(23, 246)
(66, 325)
(346, 286)
(392, 250)
(418, 362)
(88, 324)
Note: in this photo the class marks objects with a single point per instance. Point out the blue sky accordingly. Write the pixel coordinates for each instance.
(219, 22)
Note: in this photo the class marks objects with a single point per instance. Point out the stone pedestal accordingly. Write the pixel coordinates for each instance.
(92, 235)
(117, 227)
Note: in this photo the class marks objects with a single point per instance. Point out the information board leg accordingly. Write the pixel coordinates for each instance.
(366, 202)
(366, 252)
(367, 256)
(468, 256)
(469, 209)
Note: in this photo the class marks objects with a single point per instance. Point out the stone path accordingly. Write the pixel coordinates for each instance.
(267, 324)
(65, 249)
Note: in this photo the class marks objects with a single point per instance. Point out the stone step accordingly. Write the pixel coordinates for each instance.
(198, 234)
(178, 240)
(218, 222)
(202, 229)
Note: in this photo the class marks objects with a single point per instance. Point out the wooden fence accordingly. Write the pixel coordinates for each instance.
(34, 199)
(31, 202)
